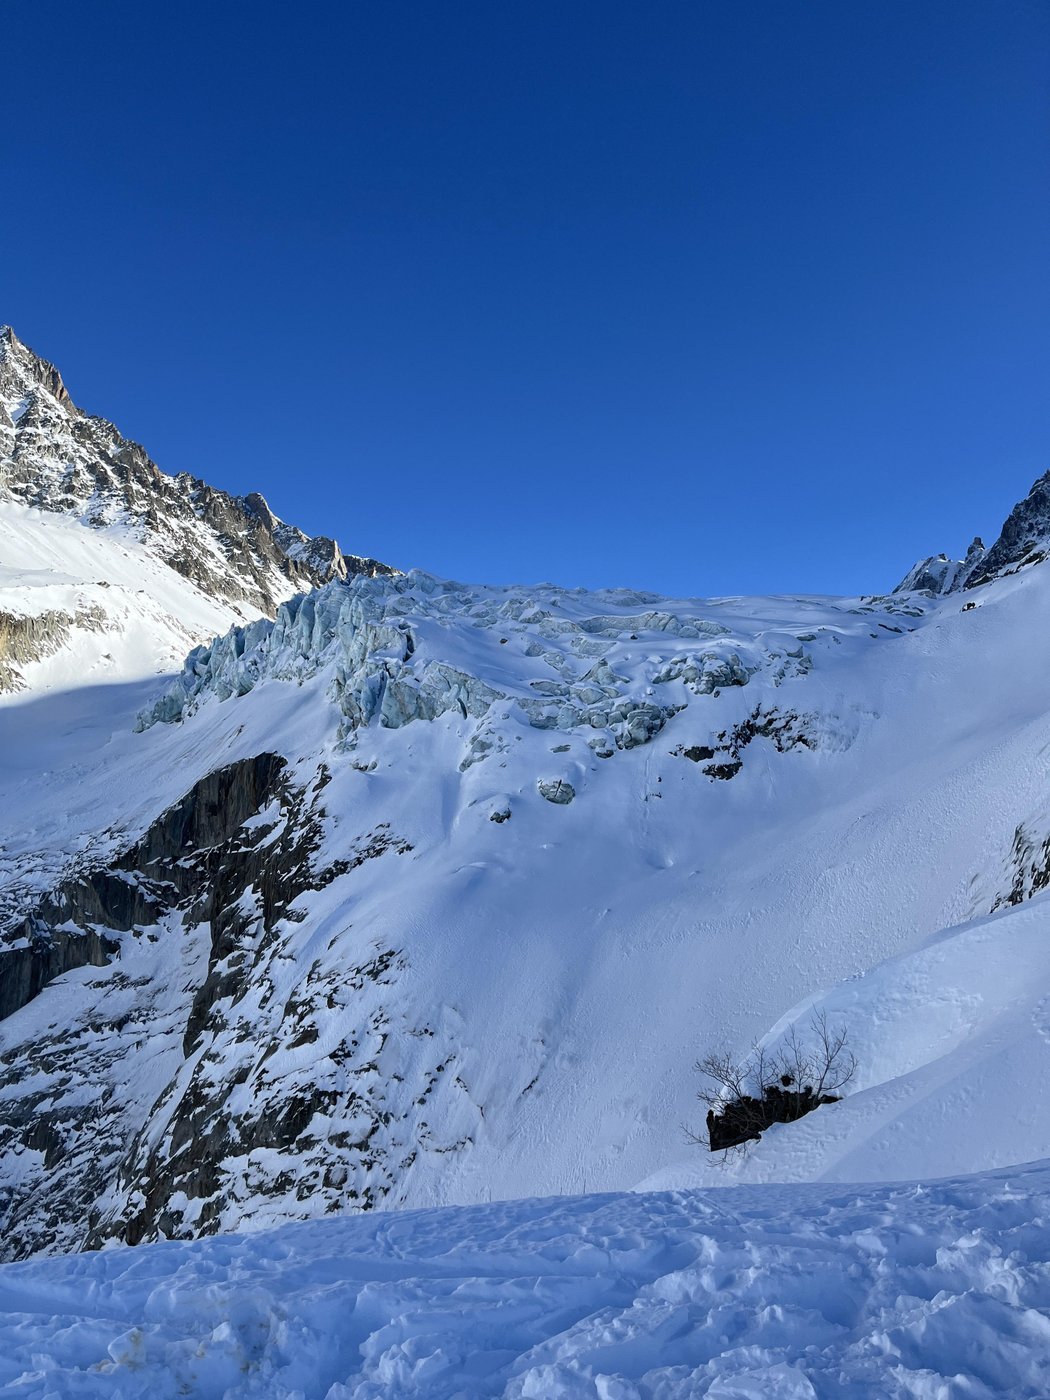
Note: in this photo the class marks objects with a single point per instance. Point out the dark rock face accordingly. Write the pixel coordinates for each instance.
(69, 928)
(932, 575)
(939, 574)
(25, 639)
(725, 758)
(1025, 538)
(210, 1057)
(57, 458)
(1029, 868)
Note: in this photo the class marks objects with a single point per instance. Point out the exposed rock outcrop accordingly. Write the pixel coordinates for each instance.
(57, 458)
(30, 637)
(939, 574)
(1025, 537)
(1023, 540)
(247, 1105)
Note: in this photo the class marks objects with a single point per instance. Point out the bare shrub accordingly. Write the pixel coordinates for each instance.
(743, 1100)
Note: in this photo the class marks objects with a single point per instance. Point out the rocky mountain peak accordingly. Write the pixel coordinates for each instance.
(256, 504)
(55, 457)
(1023, 540)
(22, 366)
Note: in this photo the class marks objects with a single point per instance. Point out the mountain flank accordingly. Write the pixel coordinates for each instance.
(55, 457)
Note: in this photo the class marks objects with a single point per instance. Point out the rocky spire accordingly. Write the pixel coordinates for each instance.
(22, 367)
(939, 574)
(1024, 539)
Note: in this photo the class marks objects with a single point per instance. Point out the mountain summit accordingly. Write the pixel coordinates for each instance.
(55, 457)
(112, 569)
(1023, 540)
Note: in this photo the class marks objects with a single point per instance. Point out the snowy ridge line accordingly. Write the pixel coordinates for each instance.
(907, 1292)
(56, 458)
(1023, 540)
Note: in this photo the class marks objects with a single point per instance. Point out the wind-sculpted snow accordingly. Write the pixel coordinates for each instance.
(907, 1292)
(952, 1045)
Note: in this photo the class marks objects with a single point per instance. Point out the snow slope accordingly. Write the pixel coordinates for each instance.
(952, 1040)
(126, 614)
(425, 1000)
(759, 1293)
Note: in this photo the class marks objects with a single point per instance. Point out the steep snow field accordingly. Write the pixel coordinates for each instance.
(123, 613)
(479, 1008)
(909, 1292)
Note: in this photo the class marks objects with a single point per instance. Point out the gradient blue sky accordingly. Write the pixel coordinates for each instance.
(705, 297)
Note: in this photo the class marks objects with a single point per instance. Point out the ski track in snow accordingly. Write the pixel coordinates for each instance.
(931, 1292)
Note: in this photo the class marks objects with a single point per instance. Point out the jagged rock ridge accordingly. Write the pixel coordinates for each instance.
(55, 457)
(1023, 540)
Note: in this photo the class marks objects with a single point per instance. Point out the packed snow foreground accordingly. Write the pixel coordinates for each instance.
(759, 1293)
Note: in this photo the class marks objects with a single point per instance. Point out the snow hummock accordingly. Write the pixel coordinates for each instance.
(905, 1292)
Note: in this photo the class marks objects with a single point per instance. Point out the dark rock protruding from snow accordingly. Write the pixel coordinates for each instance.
(746, 1119)
(55, 457)
(1023, 540)
(263, 1047)
(1025, 537)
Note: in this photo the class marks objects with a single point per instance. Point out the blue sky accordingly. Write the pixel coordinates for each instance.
(705, 297)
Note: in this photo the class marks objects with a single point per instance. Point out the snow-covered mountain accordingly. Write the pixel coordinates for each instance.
(424, 893)
(419, 893)
(109, 567)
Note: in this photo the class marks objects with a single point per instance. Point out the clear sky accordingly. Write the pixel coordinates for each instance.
(709, 297)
